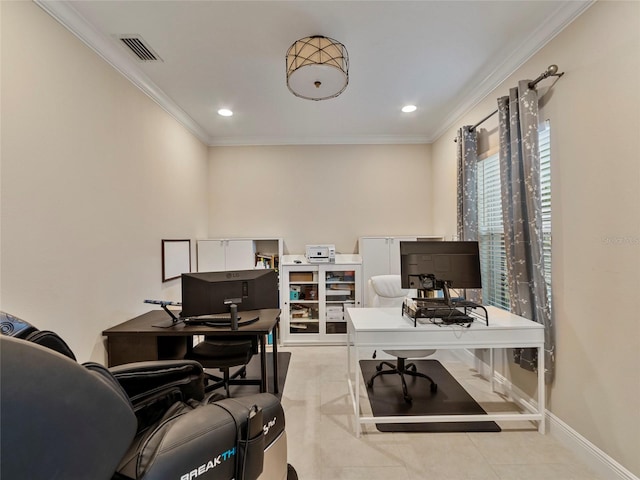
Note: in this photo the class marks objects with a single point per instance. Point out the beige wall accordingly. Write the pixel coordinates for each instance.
(320, 194)
(594, 112)
(94, 175)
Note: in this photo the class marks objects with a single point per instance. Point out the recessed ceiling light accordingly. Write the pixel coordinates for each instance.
(409, 108)
(225, 112)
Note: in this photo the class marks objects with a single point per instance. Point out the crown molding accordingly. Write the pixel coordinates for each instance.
(342, 140)
(119, 59)
(566, 13)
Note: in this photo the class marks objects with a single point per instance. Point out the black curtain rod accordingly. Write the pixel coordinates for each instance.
(551, 71)
(483, 120)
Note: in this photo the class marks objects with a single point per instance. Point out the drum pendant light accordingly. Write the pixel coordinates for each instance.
(317, 68)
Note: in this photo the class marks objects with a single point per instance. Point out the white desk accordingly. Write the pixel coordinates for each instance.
(386, 328)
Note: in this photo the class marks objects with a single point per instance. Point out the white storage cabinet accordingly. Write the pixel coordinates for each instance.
(220, 254)
(314, 298)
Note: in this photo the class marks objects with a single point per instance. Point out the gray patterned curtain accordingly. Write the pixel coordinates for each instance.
(521, 212)
(468, 193)
(467, 185)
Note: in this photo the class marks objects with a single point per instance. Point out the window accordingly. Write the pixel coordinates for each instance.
(493, 262)
(495, 287)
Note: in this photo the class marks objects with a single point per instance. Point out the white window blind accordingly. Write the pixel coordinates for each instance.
(495, 287)
(544, 141)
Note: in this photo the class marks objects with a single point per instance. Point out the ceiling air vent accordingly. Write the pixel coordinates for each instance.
(140, 49)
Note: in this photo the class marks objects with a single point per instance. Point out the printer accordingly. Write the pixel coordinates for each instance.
(321, 253)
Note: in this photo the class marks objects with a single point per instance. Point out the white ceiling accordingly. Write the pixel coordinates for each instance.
(443, 56)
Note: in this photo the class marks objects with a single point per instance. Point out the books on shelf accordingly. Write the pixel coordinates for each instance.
(336, 277)
(267, 261)
(340, 289)
(335, 291)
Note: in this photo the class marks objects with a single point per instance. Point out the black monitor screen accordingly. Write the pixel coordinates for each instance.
(208, 293)
(457, 263)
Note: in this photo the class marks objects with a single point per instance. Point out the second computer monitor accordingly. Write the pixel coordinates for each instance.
(207, 293)
(456, 263)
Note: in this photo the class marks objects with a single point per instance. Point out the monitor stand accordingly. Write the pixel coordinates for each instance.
(431, 283)
(166, 323)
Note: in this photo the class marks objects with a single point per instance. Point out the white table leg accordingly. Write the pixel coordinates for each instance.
(358, 373)
(541, 394)
(492, 366)
(353, 375)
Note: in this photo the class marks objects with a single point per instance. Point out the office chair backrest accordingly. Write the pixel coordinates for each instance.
(386, 291)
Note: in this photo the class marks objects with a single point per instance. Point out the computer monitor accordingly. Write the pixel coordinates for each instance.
(209, 293)
(440, 265)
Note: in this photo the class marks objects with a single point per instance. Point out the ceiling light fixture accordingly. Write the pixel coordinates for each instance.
(317, 68)
(225, 112)
(409, 108)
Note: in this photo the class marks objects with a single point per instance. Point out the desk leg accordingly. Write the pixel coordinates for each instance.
(541, 395)
(263, 364)
(275, 360)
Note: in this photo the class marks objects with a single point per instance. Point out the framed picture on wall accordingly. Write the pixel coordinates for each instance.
(176, 258)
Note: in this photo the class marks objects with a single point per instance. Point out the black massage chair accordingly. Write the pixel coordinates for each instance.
(148, 420)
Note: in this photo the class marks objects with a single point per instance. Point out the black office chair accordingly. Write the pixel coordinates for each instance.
(142, 421)
(224, 353)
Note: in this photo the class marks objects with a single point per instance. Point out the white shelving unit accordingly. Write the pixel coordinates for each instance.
(314, 298)
(220, 254)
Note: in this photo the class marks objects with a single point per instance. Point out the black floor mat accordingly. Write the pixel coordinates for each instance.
(450, 399)
(253, 372)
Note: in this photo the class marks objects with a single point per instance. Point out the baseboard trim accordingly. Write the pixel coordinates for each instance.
(601, 463)
(594, 458)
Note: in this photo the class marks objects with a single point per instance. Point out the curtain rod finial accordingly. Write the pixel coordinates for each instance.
(551, 71)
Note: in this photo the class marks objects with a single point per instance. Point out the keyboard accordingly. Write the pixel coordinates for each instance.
(219, 320)
(447, 315)
(209, 320)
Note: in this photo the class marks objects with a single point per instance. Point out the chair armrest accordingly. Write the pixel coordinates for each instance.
(142, 378)
(155, 365)
(208, 439)
(272, 412)
(155, 386)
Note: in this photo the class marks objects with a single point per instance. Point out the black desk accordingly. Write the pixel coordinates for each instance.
(137, 340)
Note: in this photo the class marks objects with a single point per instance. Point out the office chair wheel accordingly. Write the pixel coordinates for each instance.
(408, 399)
(434, 387)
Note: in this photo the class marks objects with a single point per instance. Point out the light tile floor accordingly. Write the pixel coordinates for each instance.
(322, 445)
